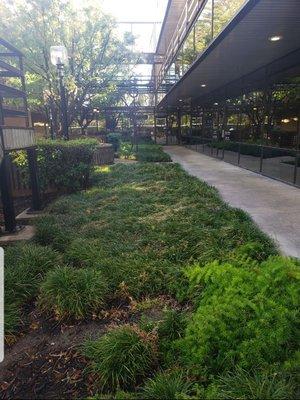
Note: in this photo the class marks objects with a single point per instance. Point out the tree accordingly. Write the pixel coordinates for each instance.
(97, 58)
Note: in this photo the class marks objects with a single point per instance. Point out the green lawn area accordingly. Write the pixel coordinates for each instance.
(211, 308)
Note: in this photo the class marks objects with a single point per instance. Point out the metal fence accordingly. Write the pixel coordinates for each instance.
(275, 162)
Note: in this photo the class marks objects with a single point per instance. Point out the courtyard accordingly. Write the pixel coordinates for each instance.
(149, 209)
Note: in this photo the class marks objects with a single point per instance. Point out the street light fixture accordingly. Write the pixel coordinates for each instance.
(59, 58)
(96, 111)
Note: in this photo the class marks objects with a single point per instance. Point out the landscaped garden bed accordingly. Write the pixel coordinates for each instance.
(148, 283)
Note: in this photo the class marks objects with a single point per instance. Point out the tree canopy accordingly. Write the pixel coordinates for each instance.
(97, 57)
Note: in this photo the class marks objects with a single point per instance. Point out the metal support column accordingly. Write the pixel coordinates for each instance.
(6, 195)
(297, 156)
(179, 126)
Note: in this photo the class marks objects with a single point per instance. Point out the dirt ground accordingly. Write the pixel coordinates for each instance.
(44, 362)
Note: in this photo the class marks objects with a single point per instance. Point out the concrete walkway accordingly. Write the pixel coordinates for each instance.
(273, 205)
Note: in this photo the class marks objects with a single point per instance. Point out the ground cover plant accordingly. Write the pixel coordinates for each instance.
(164, 289)
(144, 152)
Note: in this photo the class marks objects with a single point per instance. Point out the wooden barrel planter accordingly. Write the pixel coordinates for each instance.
(104, 155)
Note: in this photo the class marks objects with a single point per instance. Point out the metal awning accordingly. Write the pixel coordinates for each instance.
(243, 57)
(173, 12)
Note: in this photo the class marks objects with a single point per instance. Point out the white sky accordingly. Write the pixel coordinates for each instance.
(138, 11)
(146, 35)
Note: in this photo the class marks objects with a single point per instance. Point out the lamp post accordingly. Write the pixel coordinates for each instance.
(96, 112)
(134, 94)
(59, 58)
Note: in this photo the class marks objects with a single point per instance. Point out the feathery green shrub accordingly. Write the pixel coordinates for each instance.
(247, 315)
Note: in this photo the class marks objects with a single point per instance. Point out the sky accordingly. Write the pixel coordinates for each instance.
(139, 11)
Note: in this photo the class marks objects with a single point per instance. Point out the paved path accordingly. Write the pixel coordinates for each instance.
(273, 205)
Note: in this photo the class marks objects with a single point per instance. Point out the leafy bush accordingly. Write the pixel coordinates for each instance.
(64, 165)
(115, 140)
(122, 358)
(151, 153)
(166, 386)
(242, 384)
(248, 314)
(72, 292)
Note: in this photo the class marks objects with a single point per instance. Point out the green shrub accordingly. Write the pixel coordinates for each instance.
(248, 314)
(12, 318)
(64, 165)
(115, 140)
(122, 358)
(242, 384)
(51, 230)
(166, 386)
(151, 153)
(25, 267)
(72, 292)
(172, 326)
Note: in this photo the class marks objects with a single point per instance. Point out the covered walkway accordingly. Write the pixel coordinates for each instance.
(273, 205)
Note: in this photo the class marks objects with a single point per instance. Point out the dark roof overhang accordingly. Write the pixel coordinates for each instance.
(242, 57)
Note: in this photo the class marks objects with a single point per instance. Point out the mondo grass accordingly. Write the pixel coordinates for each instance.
(141, 224)
(167, 386)
(25, 268)
(122, 358)
(242, 384)
(70, 292)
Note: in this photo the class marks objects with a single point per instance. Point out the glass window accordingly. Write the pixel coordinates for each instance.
(224, 10)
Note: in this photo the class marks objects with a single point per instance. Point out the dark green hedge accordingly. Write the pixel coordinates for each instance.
(64, 165)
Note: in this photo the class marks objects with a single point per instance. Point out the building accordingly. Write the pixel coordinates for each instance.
(231, 76)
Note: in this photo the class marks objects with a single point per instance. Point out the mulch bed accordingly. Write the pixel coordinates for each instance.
(43, 361)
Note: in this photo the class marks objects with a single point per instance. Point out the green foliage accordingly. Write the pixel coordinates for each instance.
(242, 384)
(141, 224)
(166, 386)
(248, 314)
(172, 326)
(144, 152)
(98, 58)
(63, 165)
(115, 140)
(151, 153)
(122, 358)
(11, 318)
(53, 230)
(25, 267)
(126, 150)
(72, 292)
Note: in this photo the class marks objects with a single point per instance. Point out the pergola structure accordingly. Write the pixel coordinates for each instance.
(16, 132)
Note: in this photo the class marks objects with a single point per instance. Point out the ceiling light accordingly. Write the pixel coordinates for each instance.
(285, 120)
(180, 100)
(275, 38)
(203, 85)
(216, 104)
(295, 119)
